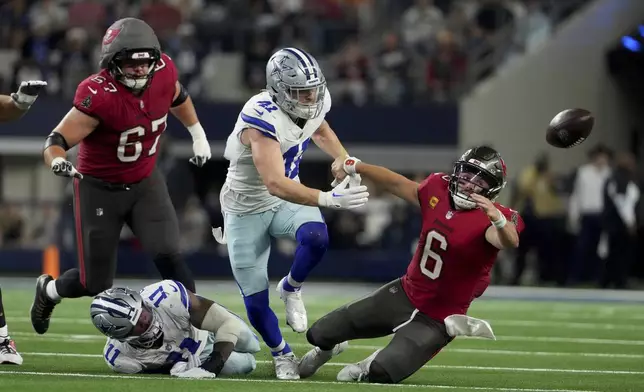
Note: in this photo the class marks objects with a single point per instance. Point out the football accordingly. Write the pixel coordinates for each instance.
(570, 128)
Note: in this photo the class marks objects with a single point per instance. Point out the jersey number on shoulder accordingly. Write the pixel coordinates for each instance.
(130, 145)
(267, 105)
(110, 87)
(433, 270)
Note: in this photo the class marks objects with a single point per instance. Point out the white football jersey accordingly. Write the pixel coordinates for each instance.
(244, 192)
(169, 300)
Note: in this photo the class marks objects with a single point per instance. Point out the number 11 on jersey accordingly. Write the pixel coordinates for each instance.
(435, 271)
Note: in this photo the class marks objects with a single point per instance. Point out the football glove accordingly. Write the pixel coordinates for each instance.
(200, 145)
(27, 93)
(343, 198)
(349, 167)
(64, 168)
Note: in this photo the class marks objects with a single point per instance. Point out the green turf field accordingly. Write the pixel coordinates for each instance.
(541, 347)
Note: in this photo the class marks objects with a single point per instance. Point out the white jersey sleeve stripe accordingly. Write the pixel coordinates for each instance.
(264, 127)
(185, 298)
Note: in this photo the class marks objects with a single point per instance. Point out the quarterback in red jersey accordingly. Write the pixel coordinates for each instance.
(462, 231)
(117, 118)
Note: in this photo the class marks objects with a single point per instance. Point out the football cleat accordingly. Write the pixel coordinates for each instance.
(8, 353)
(295, 312)
(314, 359)
(43, 306)
(286, 367)
(357, 371)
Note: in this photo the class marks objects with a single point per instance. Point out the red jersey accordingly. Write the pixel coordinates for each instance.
(453, 259)
(122, 149)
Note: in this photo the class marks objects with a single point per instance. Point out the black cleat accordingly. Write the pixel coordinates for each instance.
(42, 306)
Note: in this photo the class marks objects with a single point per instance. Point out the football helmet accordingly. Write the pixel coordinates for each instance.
(130, 41)
(479, 170)
(121, 314)
(296, 83)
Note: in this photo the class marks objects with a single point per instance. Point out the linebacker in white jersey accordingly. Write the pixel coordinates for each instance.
(263, 197)
(167, 329)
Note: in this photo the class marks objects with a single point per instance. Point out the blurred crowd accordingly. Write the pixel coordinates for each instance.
(585, 228)
(386, 51)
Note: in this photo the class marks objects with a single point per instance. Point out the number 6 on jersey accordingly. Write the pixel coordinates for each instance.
(428, 253)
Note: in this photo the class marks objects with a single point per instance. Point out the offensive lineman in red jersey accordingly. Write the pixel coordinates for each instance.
(12, 107)
(118, 117)
(462, 232)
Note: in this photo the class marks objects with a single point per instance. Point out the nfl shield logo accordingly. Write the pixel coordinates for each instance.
(449, 215)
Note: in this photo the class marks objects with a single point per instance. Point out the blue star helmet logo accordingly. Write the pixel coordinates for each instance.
(281, 66)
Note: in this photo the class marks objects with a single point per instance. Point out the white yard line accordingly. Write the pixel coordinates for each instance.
(271, 381)
(451, 367)
(86, 338)
(540, 339)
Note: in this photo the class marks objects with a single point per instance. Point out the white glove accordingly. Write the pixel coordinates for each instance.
(200, 145)
(195, 373)
(349, 167)
(343, 198)
(27, 93)
(64, 168)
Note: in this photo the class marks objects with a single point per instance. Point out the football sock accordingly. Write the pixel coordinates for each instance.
(3, 322)
(313, 240)
(263, 319)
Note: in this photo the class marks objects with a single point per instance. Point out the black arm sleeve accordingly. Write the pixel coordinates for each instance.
(182, 97)
(56, 139)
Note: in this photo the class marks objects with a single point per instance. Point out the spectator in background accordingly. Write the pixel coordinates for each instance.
(351, 74)
(621, 195)
(542, 209)
(11, 225)
(420, 23)
(535, 28)
(446, 68)
(585, 214)
(393, 71)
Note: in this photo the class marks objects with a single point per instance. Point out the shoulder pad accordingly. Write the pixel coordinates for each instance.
(92, 94)
(260, 113)
(168, 294)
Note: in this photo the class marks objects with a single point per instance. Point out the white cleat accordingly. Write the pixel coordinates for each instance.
(357, 371)
(295, 310)
(8, 353)
(286, 367)
(314, 359)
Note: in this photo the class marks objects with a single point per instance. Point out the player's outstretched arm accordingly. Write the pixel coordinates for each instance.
(210, 316)
(268, 160)
(14, 106)
(184, 110)
(73, 128)
(328, 141)
(390, 181)
(502, 234)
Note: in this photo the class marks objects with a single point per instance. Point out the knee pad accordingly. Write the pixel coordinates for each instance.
(378, 374)
(238, 364)
(315, 337)
(248, 342)
(313, 235)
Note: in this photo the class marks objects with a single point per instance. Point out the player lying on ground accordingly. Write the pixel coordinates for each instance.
(13, 107)
(117, 119)
(167, 329)
(462, 232)
(263, 196)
